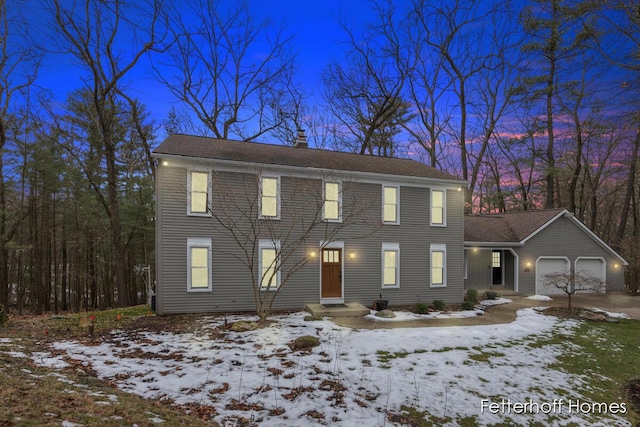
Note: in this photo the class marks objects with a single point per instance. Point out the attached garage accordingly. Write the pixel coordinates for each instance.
(550, 265)
(538, 242)
(591, 267)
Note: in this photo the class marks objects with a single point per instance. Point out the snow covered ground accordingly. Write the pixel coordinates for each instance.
(354, 378)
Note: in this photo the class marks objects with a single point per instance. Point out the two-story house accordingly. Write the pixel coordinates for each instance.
(236, 220)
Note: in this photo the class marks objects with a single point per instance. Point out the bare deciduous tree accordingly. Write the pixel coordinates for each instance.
(572, 282)
(364, 92)
(234, 74)
(477, 70)
(244, 230)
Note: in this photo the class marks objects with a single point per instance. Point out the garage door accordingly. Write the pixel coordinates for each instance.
(591, 267)
(546, 266)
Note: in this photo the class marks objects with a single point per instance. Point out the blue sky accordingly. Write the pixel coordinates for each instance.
(317, 33)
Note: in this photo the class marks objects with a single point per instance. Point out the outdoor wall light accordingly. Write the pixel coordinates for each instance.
(527, 267)
(165, 163)
(352, 255)
(312, 254)
(615, 265)
(475, 249)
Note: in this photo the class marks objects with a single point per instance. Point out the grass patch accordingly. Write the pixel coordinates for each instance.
(485, 356)
(385, 356)
(607, 360)
(445, 349)
(37, 396)
(68, 325)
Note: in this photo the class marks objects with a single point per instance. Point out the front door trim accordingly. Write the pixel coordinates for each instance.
(332, 245)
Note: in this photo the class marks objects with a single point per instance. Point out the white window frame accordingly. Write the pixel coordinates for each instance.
(324, 200)
(197, 242)
(269, 244)
(437, 247)
(464, 263)
(397, 204)
(444, 208)
(391, 247)
(277, 178)
(189, 211)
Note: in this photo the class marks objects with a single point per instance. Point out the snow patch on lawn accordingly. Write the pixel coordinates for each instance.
(611, 313)
(540, 297)
(354, 378)
(407, 315)
(497, 301)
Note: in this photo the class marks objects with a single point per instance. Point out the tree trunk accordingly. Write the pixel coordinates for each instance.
(626, 204)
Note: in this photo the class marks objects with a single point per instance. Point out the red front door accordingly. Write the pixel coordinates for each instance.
(331, 273)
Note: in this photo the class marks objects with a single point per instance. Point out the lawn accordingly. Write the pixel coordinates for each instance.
(537, 370)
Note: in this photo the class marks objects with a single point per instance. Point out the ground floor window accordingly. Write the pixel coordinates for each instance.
(269, 268)
(199, 262)
(438, 265)
(390, 265)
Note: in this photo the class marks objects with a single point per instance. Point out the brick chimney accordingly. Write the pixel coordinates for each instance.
(301, 141)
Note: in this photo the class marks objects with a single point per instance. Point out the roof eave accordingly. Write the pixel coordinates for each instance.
(237, 164)
(471, 244)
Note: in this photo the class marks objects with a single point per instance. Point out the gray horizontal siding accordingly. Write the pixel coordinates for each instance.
(564, 238)
(301, 200)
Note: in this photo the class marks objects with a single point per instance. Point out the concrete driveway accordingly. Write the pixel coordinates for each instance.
(505, 313)
(617, 302)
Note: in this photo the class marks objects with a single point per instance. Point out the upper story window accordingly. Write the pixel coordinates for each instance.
(438, 207)
(390, 205)
(199, 196)
(199, 262)
(331, 208)
(270, 197)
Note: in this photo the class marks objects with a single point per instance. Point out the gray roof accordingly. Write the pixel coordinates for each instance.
(253, 152)
(506, 227)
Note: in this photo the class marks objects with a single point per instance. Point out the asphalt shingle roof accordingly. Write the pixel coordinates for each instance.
(253, 152)
(506, 227)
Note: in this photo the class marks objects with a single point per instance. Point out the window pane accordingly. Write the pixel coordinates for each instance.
(198, 202)
(437, 259)
(438, 199)
(390, 276)
(436, 276)
(390, 195)
(199, 278)
(199, 257)
(331, 210)
(268, 257)
(268, 268)
(331, 190)
(390, 259)
(496, 259)
(390, 213)
(199, 181)
(436, 215)
(269, 206)
(270, 187)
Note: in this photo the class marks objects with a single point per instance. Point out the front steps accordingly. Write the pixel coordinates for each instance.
(350, 309)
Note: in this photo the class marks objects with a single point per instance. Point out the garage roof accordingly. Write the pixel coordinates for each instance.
(516, 227)
(505, 227)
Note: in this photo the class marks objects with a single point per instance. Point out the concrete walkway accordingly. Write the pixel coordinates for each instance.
(506, 313)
